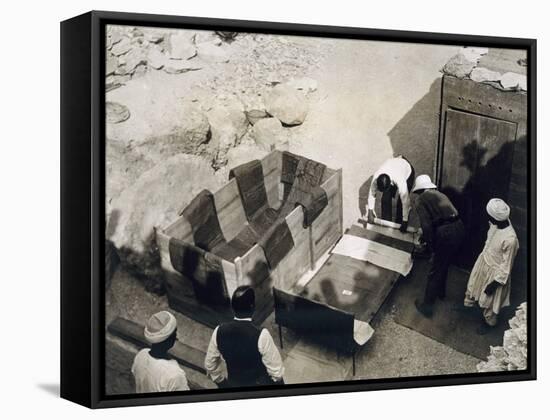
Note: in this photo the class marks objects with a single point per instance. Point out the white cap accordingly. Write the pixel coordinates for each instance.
(498, 209)
(159, 327)
(423, 182)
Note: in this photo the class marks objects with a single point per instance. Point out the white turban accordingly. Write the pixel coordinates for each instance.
(159, 327)
(498, 209)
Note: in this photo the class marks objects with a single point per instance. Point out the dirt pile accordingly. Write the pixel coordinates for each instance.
(512, 355)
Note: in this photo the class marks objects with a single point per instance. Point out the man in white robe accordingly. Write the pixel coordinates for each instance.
(489, 282)
(153, 369)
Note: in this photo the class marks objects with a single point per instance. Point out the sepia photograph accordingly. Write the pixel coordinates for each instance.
(286, 210)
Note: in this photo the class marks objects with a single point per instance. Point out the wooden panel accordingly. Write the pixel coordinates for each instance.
(127, 339)
(327, 228)
(298, 261)
(252, 267)
(133, 332)
(163, 244)
(351, 285)
(272, 167)
(181, 229)
(477, 162)
(230, 274)
(230, 210)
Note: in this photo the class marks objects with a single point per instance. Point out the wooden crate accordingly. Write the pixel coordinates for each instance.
(252, 268)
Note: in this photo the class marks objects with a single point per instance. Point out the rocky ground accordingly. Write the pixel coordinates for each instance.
(184, 106)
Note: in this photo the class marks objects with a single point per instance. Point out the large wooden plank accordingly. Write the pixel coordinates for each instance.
(381, 238)
(272, 167)
(180, 229)
(230, 210)
(298, 261)
(185, 354)
(351, 285)
(120, 355)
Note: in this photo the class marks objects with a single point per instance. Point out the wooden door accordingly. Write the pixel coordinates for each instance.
(476, 166)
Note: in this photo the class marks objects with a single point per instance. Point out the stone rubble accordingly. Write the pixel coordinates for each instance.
(512, 355)
(464, 65)
(287, 104)
(183, 108)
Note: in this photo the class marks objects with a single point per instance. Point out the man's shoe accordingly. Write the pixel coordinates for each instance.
(424, 309)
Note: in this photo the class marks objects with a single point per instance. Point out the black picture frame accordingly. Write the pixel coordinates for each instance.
(83, 203)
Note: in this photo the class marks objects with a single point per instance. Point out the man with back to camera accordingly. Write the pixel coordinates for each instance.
(250, 354)
(396, 173)
(153, 369)
(443, 233)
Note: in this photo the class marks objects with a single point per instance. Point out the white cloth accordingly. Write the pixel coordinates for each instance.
(498, 209)
(493, 264)
(157, 375)
(376, 253)
(271, 358)
(398, 169)
(160, 326)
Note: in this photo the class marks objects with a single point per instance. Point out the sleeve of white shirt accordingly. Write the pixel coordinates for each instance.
(405, 199)
(372, 193)
(178, 382)
(271, 357)
(509, 251)
(213, 360)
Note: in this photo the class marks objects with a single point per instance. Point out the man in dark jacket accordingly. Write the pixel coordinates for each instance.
(443, 232)
(250, 355)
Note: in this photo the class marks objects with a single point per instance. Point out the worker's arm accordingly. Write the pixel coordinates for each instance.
(213, 360)
(271, 357)
(425, 221)
(405, 199)
(372, 194)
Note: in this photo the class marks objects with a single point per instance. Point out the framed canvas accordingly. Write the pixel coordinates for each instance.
(254, 209)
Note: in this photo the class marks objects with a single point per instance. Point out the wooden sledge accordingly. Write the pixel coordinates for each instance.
(338, 304)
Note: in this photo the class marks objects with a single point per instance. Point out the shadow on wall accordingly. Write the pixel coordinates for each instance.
(486, 181)
(415, 135)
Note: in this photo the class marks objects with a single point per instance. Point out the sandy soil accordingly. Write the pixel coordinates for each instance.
(365, 89)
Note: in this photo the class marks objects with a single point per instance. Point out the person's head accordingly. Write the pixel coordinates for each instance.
(423, 183)
(383, 182)
(161, 331)
(498, 212)
(243, 302)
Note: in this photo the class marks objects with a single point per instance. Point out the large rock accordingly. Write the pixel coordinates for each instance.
(155, 200)
(481, 74)
(228, 123)
(182, 45)
(512, 80)
(188, 134)
(243, 153)
(459, 66)
(287, 104)
(213, 53)
(268, 133)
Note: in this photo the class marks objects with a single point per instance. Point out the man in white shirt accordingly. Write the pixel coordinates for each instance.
(396, 173)
(153, 369)
(250, 355)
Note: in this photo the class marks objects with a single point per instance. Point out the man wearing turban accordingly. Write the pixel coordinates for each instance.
(489, 283)
(153, 369)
